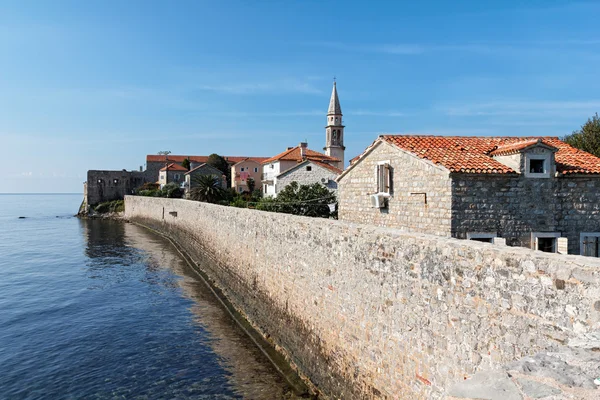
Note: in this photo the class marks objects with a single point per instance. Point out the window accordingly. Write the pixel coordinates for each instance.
(242, 169)
(589, 244)
(384, 177)
(537, 166)
(240, 189)
(309, 168)
(481, 237)
(176, 177)
(271, 166)
(255, 169)
(545, 241)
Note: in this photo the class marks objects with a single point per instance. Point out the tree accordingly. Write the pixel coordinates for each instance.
(171, 190)
(222, 165)
(588, 137)
(251, 184)
(308, 200)
(207, 188)
(186, 163)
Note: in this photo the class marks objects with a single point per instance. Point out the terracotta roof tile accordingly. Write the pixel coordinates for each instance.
(173, 167)
(294, 154)
(472, 154)
(199, 159)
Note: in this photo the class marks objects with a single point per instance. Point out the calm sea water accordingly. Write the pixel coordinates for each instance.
(103, 309)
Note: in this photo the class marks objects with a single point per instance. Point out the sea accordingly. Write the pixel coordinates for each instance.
(98, 309)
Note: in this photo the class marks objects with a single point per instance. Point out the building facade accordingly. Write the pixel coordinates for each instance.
(241, 171)
(277, 170)
(201, 170)
(172, 173)
(532, 192)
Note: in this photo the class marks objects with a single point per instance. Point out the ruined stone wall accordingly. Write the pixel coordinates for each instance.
(370, 312)
(104, 186)
(513, 207)
(421, 193)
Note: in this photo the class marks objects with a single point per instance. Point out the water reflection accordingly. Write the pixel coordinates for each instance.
(252, 375)
(247, 371)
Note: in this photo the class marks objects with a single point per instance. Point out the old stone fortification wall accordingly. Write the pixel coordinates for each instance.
(370, 312)
(513, 207)
(110, 185)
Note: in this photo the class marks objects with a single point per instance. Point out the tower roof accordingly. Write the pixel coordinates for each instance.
(334, 103)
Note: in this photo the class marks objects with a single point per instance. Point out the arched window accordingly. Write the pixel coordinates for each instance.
(334, 136)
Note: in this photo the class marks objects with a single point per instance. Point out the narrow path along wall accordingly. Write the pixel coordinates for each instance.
(368, 312)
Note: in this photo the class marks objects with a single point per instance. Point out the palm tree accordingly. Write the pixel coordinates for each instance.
(206, 188)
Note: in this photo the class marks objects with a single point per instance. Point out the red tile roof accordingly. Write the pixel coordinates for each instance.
(173, 167)
(327, 166)
(293, 154)
(513, 148)
(198, 159)
(472, 154)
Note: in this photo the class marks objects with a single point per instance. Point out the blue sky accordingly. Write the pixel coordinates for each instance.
(100, 84)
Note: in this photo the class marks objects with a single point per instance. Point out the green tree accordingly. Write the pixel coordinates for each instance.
(308, 200)
(251, 184)
(171, 190)
(186, 163)
(588, 137)
(207, 188)
(222, 165)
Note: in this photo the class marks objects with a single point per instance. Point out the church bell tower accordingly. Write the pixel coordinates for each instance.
(334, 143)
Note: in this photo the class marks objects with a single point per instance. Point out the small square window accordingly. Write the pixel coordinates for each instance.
(242, 169)
(537, 166)
(309, 168)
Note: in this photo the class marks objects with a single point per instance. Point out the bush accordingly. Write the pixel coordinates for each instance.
(308, 200)
(171, 190)
(110, 206)
(239, 202)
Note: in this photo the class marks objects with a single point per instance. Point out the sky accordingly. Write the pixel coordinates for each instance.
(100, 84)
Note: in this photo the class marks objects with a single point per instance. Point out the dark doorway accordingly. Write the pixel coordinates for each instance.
(546, 244)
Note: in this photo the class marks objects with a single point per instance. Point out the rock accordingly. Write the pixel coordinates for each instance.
(537, 390)
(488, 385)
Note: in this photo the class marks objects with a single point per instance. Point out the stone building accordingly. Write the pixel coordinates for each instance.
(104, 186)
(530, 191)
(154, 162)
(172, 173)
(282, 169)
(200, 170)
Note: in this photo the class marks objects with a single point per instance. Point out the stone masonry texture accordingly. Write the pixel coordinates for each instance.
(371, 312)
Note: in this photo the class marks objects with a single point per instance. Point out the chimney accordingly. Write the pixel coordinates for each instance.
(303, 146)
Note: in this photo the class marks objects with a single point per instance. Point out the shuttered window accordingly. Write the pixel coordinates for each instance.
(383, 178)
(591, 246)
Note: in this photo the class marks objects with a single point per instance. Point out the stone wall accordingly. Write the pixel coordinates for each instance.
(371, 312)
(104, 186)
(513, 207)
(421, 193)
